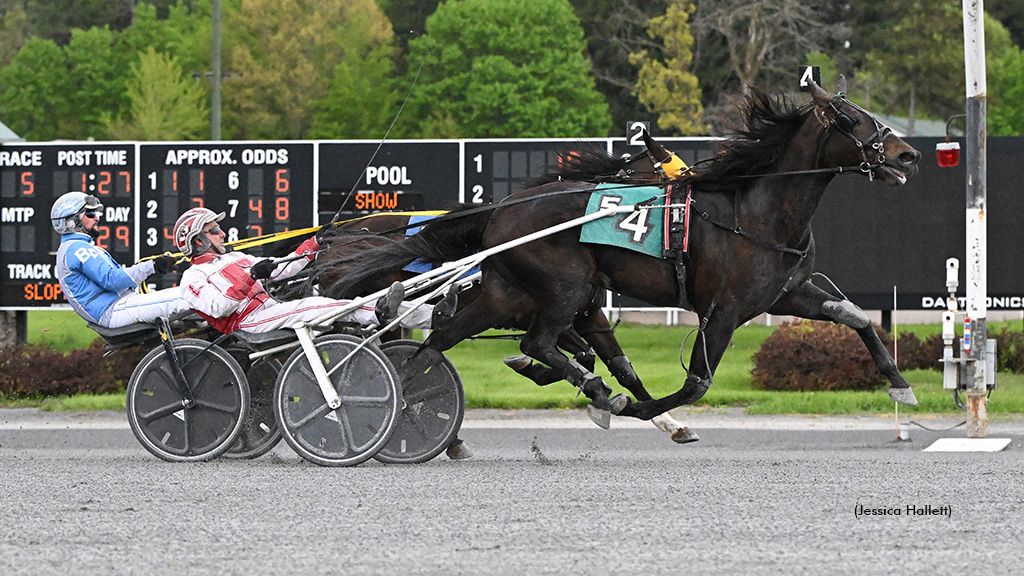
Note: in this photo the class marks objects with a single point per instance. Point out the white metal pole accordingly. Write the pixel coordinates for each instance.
(977, 251)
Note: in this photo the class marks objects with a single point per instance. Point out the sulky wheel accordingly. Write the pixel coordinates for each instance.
(156, 412)
(368, 386)
(432, 409)
(260, 432)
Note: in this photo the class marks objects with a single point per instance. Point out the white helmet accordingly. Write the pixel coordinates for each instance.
(66, 214)
(190, 226)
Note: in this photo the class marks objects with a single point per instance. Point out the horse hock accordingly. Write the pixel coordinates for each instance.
(694, 389)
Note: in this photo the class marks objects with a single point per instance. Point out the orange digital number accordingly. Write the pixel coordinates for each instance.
(281, 183)
(198, 201)
(122, 234)
(256, 205)
(168, 234)
(104, 185)
(104, 234)
(28, 182)
(127, 181)
(256, 229)
(281, 213)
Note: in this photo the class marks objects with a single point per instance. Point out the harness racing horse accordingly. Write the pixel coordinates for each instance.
(751, 248)
(590, 334)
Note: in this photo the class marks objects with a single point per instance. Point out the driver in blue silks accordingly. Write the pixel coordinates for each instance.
(97, 287)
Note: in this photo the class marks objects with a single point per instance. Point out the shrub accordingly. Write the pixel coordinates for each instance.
(915, 354)
(1009, 351)
(924, 355)
(816, 355)
(38, 371)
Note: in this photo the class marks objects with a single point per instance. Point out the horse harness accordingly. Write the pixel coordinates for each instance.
(845, 125)
(678, 252)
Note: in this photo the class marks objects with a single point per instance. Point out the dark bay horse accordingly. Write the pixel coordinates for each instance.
(590, 334)
(751, 248)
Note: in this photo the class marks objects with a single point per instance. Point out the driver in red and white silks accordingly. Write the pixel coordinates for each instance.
(221, 288)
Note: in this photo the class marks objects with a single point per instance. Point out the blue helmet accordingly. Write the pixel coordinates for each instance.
(66, 214)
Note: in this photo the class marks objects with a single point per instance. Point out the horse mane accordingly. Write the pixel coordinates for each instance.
(588, 162)
(771, 122)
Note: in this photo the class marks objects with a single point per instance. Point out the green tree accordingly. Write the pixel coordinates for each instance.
(14, 31)
(922, 55)
(98, 71)
(503, 68)
(1006, 85)
(165, 104)
(55, 19)
(285, 55)
(408, 19)
(921, 58)
(35, 89)
(666, 85)
(361, 99)
(614, 30)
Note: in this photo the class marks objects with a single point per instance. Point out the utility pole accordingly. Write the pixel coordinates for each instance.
(975, 323)
(215, 97)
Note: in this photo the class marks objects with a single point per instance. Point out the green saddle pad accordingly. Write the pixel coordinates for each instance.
(641, 231)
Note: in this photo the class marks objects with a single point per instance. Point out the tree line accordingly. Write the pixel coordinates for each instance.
(358, 69)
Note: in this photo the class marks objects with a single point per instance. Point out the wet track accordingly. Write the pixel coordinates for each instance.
(547, 492)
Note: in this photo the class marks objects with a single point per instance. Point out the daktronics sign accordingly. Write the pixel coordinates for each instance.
(870, 239)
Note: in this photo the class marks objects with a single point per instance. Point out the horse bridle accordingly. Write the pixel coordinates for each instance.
(876, 143)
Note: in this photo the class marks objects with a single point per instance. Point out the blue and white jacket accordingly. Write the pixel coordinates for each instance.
(90, 277)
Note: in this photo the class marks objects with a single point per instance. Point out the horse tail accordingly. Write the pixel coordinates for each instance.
(453, 236)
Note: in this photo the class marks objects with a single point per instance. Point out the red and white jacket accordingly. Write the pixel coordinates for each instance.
(220, 289)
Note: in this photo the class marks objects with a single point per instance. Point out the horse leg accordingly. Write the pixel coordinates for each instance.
(594, 327)
(540, 343)
(809, 301)
(707, 352)
(542, 375)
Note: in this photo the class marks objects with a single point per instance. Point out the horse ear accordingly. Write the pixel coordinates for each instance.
(841, 85)
(820, 96)
(653, 148)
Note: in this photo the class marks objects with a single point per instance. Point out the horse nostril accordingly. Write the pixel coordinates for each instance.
(910, 157)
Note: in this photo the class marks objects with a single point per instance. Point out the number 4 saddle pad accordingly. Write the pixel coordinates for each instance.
(642, 230)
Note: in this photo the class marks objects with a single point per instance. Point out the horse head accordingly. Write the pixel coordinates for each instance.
(876, 149)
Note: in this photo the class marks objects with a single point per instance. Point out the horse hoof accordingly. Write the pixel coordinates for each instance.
(602, 418)
(684, 436)
(518, 363)
(618, 402)
(458, 451)
(903, 396)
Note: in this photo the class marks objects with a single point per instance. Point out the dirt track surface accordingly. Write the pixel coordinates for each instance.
(546, 493)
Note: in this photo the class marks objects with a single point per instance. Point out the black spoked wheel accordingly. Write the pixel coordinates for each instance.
(260, 432)
(156, 411)
(352, 433)
(434, 404)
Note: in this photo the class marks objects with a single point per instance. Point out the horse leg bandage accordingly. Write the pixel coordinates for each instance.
(584, 379)
(847, 313)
